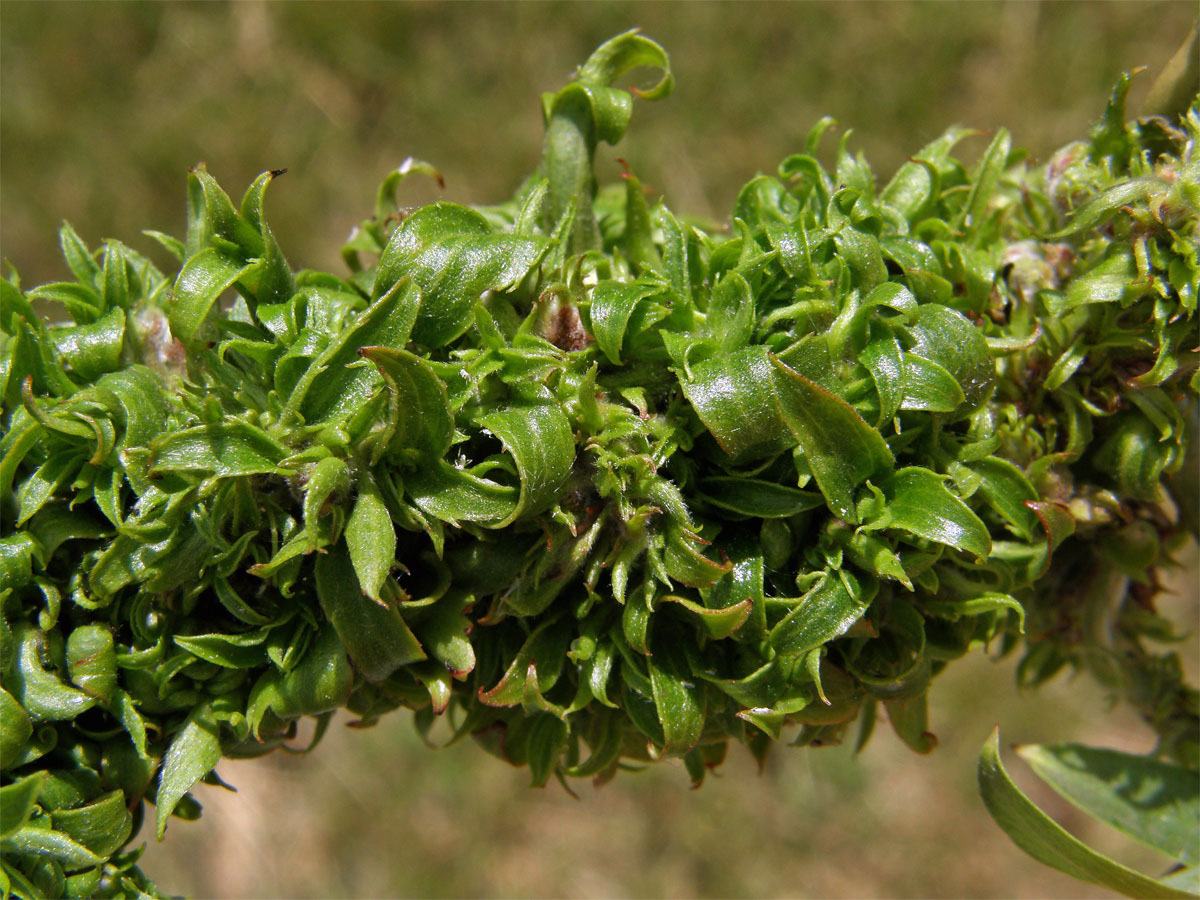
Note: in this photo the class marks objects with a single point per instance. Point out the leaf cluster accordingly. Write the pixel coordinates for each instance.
(591, 482)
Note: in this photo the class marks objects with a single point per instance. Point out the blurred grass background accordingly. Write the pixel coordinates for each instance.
(103, 106)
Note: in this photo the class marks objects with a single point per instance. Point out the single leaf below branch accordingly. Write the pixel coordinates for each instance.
(1046, 841)
(1154, 802)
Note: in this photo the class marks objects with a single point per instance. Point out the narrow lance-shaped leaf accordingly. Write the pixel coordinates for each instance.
(43, 695)
(103, 826)
(919, 502)
(194, 752)
(734, 396)
(731, 313)
(825, 612)
(451, 494)
(534, 429)
(929, 386)
(1046, 841)
(1152, 801)
(947, 337)
(92, 661)
(225, 449)
(370, 538)
(318, 683)
(332, 387)
(612, 307)
(758, 498)
(677, 699)
(452, 256)
(204, 277)
(15, 730)
(842, 450)
(419, 408)
(377, 639)
(18, 801)
(991, 167)
(46, 843)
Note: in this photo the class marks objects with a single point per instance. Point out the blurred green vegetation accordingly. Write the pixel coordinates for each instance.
(103, 106)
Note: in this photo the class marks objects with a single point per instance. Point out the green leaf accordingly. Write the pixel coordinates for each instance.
(757, 498)
(1113, 280)
(32, 841)
(1055, 518)
(451, 254)
(1134, 456)
(271, 282)
(685, 563)
(444, 632)
(916, 184)
(534, 430)
(1008, 491)
(539, 661)
(370, 538)
(194, 751)
(377, 639)
(1039, 836)
(639, 236)
(983, 603)
(612, 307)
(94, 348)
(910, 720)
(80, 260)
(929, 386)
(332, 387)
(418, 407)
(827, 611)
(92, 661)
(734, 396)
(18, 801)
(919, 502)
(987, 175)
(103, 826)
(717, 623)
(1113, 140)
(142, 397)
(225, 449)
(1154, 802)
(863, 256)
(17, 553)
(320, 682)
(385, 197)
(677, 700)
(15, 730)
(205, 276)
(626, 51)
(547, 738)
(731, 313)
(43, 696)
(947, 337)
(452, 495)
(883, 358)
(231, 651)
(842, 450)
(1067, 364)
